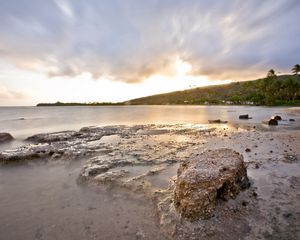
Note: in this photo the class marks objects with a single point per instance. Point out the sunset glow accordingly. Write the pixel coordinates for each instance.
(94, 51)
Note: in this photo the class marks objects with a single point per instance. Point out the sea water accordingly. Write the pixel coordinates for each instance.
(23, 122)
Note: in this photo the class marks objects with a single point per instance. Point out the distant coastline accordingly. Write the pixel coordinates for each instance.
(283, 90)
(61, 104)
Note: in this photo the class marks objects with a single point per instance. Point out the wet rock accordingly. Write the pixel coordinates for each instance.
(271, 122)
(287, 215)
(5, 137)
(140, 235)
(278, 118)
(291, 158)
(247, 150)
(88, 129)
(216, 121)
(245, 116)
(110, 176)
(55, 156)
(25, 153)
(153, 131)
(52, 137)
(94, 170)
(6, 158)
(201, 181)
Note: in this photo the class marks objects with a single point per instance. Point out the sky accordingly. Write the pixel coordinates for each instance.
(116, 50)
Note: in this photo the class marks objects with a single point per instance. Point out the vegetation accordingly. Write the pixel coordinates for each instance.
(272, 90)
(78, 104)
(296, 69)
(271, 73)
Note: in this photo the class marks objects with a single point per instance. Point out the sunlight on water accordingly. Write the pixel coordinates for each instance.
(22, 122)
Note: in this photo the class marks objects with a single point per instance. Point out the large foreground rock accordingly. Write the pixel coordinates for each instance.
(5, 137)
(201, 181)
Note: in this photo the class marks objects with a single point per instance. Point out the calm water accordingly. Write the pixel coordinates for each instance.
(42, 202)
(49, 119)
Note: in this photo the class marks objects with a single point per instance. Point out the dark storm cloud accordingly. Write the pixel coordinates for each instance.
(129, 40)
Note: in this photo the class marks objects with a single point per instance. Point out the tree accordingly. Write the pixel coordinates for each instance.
(291, 88)
(271, 73)
(296, 69)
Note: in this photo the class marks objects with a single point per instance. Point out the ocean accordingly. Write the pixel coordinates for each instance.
(23, 122)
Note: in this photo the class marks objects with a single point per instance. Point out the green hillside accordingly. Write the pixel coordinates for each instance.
(275, 90)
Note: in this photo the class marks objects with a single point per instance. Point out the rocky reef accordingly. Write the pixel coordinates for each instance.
(62, 146)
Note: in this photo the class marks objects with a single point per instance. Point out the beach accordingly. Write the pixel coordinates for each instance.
(117, 181)
(149, 120)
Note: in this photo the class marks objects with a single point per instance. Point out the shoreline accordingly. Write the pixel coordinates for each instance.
(135, 152)
(124, 104)
(23, 122)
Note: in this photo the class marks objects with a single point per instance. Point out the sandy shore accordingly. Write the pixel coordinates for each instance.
(117, 182)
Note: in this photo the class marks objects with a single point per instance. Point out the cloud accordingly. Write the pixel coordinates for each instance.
(11, 95)
(129, 40)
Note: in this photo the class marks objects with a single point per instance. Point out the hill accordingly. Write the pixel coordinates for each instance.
(275, 90)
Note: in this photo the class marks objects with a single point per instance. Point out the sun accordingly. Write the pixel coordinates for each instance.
(182, 68)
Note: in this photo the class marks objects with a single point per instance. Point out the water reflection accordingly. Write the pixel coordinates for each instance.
(49, 119)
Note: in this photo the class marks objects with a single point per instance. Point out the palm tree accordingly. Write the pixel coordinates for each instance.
(296, 69)
(271, 73)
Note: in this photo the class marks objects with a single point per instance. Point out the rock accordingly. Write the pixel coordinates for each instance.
(5, 137)
(216, 121)
(94, 170)
(153, 131)
(52, 137)
(110, 176)
(17, 157)
(278, 118)
(271, 122)
(140, 235)
(292, 120)
(25, 153)
(246, 116)
(217, 174)
(247, 150)
(55, 155)
(287, 215)
(86, 129)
